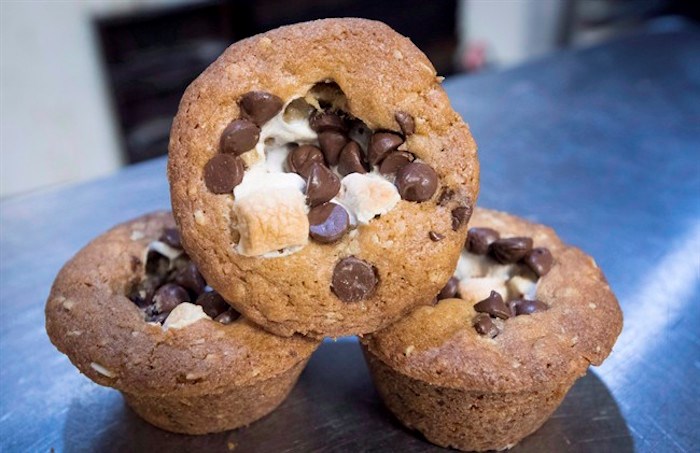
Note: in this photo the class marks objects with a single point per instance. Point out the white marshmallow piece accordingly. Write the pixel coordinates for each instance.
(183, 315)
(270, 212)
(366, 196)
(477, 289)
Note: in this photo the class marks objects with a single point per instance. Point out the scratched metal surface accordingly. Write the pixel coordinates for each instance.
(603, 144)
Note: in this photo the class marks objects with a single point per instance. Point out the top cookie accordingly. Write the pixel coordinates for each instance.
(320, 178)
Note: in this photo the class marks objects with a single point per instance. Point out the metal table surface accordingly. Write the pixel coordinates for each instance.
(602, 144)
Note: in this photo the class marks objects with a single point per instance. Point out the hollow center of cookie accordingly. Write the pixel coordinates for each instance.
(307, 168)
(499, 276)
(172, 292)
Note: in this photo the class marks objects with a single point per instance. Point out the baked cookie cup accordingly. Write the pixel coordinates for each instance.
(131, 312)
(487, 365)
(320, 178)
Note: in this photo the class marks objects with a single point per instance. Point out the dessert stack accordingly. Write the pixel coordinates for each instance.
(322, 186)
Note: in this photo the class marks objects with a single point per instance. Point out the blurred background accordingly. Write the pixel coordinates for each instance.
(87, 87)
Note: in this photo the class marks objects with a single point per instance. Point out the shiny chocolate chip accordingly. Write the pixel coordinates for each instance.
(435, 236)
(540, 260)
(528, 307)
(260, 106)
(510, 250)
(494, 306)
(460, 216)
(406, 122)
(171, 236)
(321, 184)
(169, 296)
(212, 303)
(328, 223)
(301, 159)
(350, 160)
(479, 239)
(239, 137)
(395, 161)
(331, 143)
(325, 121)
(353, 279)
(223, 172)
(189, 278)
(485, 326)
(416, 181)
(381, 144)
(450, 289)
(228, 316)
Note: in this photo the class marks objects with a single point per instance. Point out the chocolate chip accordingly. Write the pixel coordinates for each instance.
(157, 264)
(446, 195)
(479, 240)
(512, 307)
(395, 161)
(494, 306)
(189, 278)
(260, 106)
(228, 316)
(528, 307)
(353, 279)
(450, 289)
(331, 143)
(350, 160)
(484, 326)
(212, 303)
(239, 137)
(406, 122)
(321, 184)
(510, 250)
(157, 317)
(435, 236)
(300, 159)
(325, 121)
(382, 143)
(169, 296)
(171, 236)
(539, 260)
(142, 294)
(223, 172)
(328, 222)
(460, 216)
(416, 181)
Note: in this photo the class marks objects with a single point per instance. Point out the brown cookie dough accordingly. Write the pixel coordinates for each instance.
(481, 374)
(362, 102)
(190, 374)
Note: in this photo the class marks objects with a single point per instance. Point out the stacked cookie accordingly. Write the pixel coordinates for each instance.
(321, 186)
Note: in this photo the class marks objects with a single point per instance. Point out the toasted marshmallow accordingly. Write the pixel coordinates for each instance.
(183, 315)
(366, 196)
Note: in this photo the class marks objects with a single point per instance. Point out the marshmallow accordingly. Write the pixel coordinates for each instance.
(366, 196)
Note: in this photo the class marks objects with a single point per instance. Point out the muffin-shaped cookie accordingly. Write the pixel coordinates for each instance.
(320, 178)
(132, 312)
(488, 364)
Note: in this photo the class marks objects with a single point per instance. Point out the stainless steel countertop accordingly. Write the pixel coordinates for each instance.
(602, 144)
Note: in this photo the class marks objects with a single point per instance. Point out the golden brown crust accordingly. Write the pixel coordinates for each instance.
(90, 319)
(465, 419)
(380, 72)
(438, 344)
